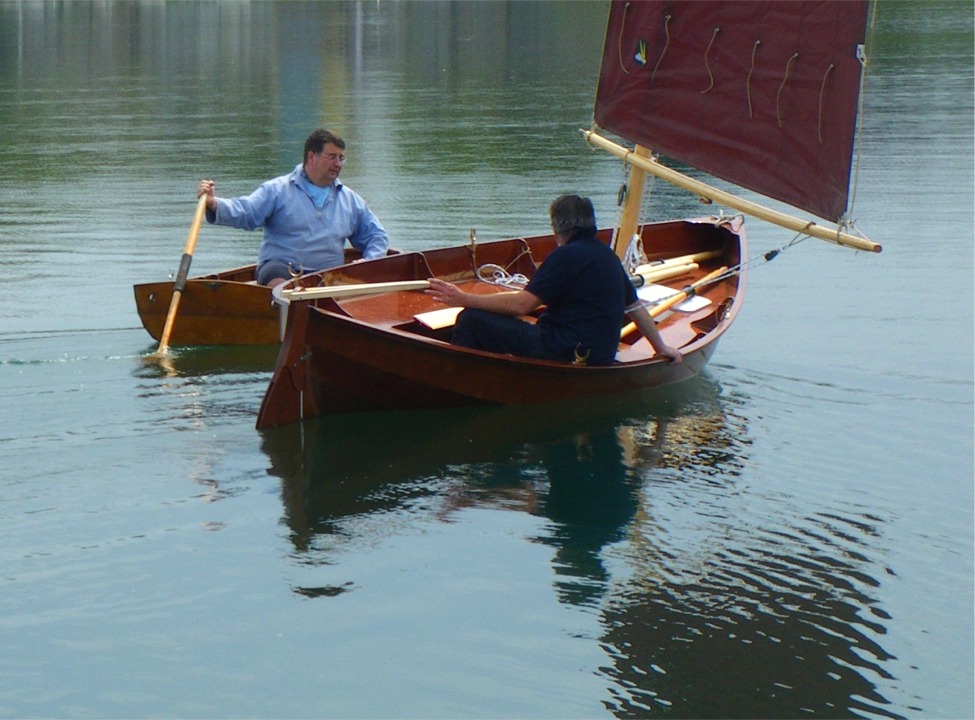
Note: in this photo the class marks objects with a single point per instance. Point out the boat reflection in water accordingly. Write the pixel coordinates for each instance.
(700, 580)
(536, 458)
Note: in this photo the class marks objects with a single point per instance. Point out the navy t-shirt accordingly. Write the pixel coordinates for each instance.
(585, 288)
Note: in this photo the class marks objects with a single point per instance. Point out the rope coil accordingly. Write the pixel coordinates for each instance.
(496, 275)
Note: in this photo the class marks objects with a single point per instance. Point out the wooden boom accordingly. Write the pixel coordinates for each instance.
(724, 198)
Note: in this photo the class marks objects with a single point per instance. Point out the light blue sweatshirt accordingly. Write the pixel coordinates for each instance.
(304, 225)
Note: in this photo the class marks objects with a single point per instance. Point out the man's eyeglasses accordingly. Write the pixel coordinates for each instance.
(332, 157)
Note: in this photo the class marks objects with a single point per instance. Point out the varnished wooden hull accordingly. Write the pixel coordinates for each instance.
(226, 308)
(369, 353)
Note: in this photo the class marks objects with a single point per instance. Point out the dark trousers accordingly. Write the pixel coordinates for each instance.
(483, 330)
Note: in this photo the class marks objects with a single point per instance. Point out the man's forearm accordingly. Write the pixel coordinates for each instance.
(648, 328)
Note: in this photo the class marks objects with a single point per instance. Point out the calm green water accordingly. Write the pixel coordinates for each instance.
(789, 535)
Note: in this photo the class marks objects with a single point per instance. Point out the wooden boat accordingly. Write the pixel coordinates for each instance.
(386, 350)
(762, 94)
(224, 308)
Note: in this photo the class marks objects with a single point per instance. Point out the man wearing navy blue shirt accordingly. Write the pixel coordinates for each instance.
(585, 291)
(307, 215)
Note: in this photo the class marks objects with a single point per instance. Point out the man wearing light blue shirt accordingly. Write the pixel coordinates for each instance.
(307, 215)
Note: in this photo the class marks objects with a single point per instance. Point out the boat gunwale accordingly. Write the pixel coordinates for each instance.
(337, 308)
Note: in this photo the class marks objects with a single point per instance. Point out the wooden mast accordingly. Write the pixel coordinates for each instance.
(721, 197)
(630, 216)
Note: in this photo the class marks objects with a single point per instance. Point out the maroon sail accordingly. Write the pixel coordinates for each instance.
(761, 94)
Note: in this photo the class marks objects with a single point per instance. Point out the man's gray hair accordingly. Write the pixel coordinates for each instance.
(570, 213)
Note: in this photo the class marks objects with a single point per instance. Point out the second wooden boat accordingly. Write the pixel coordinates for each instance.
(224, 308)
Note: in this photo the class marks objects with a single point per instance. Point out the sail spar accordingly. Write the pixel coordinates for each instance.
(761, 94)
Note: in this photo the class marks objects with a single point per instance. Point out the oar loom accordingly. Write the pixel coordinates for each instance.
(181, 275)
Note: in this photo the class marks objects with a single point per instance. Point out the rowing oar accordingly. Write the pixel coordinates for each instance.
(664, 273)
(184, 269)
(650, 272)
(336, 291)
(658, 265)
(678, 297)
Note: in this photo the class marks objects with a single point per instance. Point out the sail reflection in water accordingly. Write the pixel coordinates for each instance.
(739, 606)
(701, 585)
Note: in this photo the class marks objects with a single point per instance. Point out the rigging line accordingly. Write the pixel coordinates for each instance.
(635, 256)
(707, 64)
(748, 80)
(622, 193)
(778, 95)
(663, 52)
(619, 43)
(496, 275)
(762, 259)
(472, 248)
(648, 189)
(822, 90)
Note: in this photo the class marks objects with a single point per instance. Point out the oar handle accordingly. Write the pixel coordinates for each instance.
(201, 207)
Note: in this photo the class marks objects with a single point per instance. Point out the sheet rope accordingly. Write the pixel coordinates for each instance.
(634, 253)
